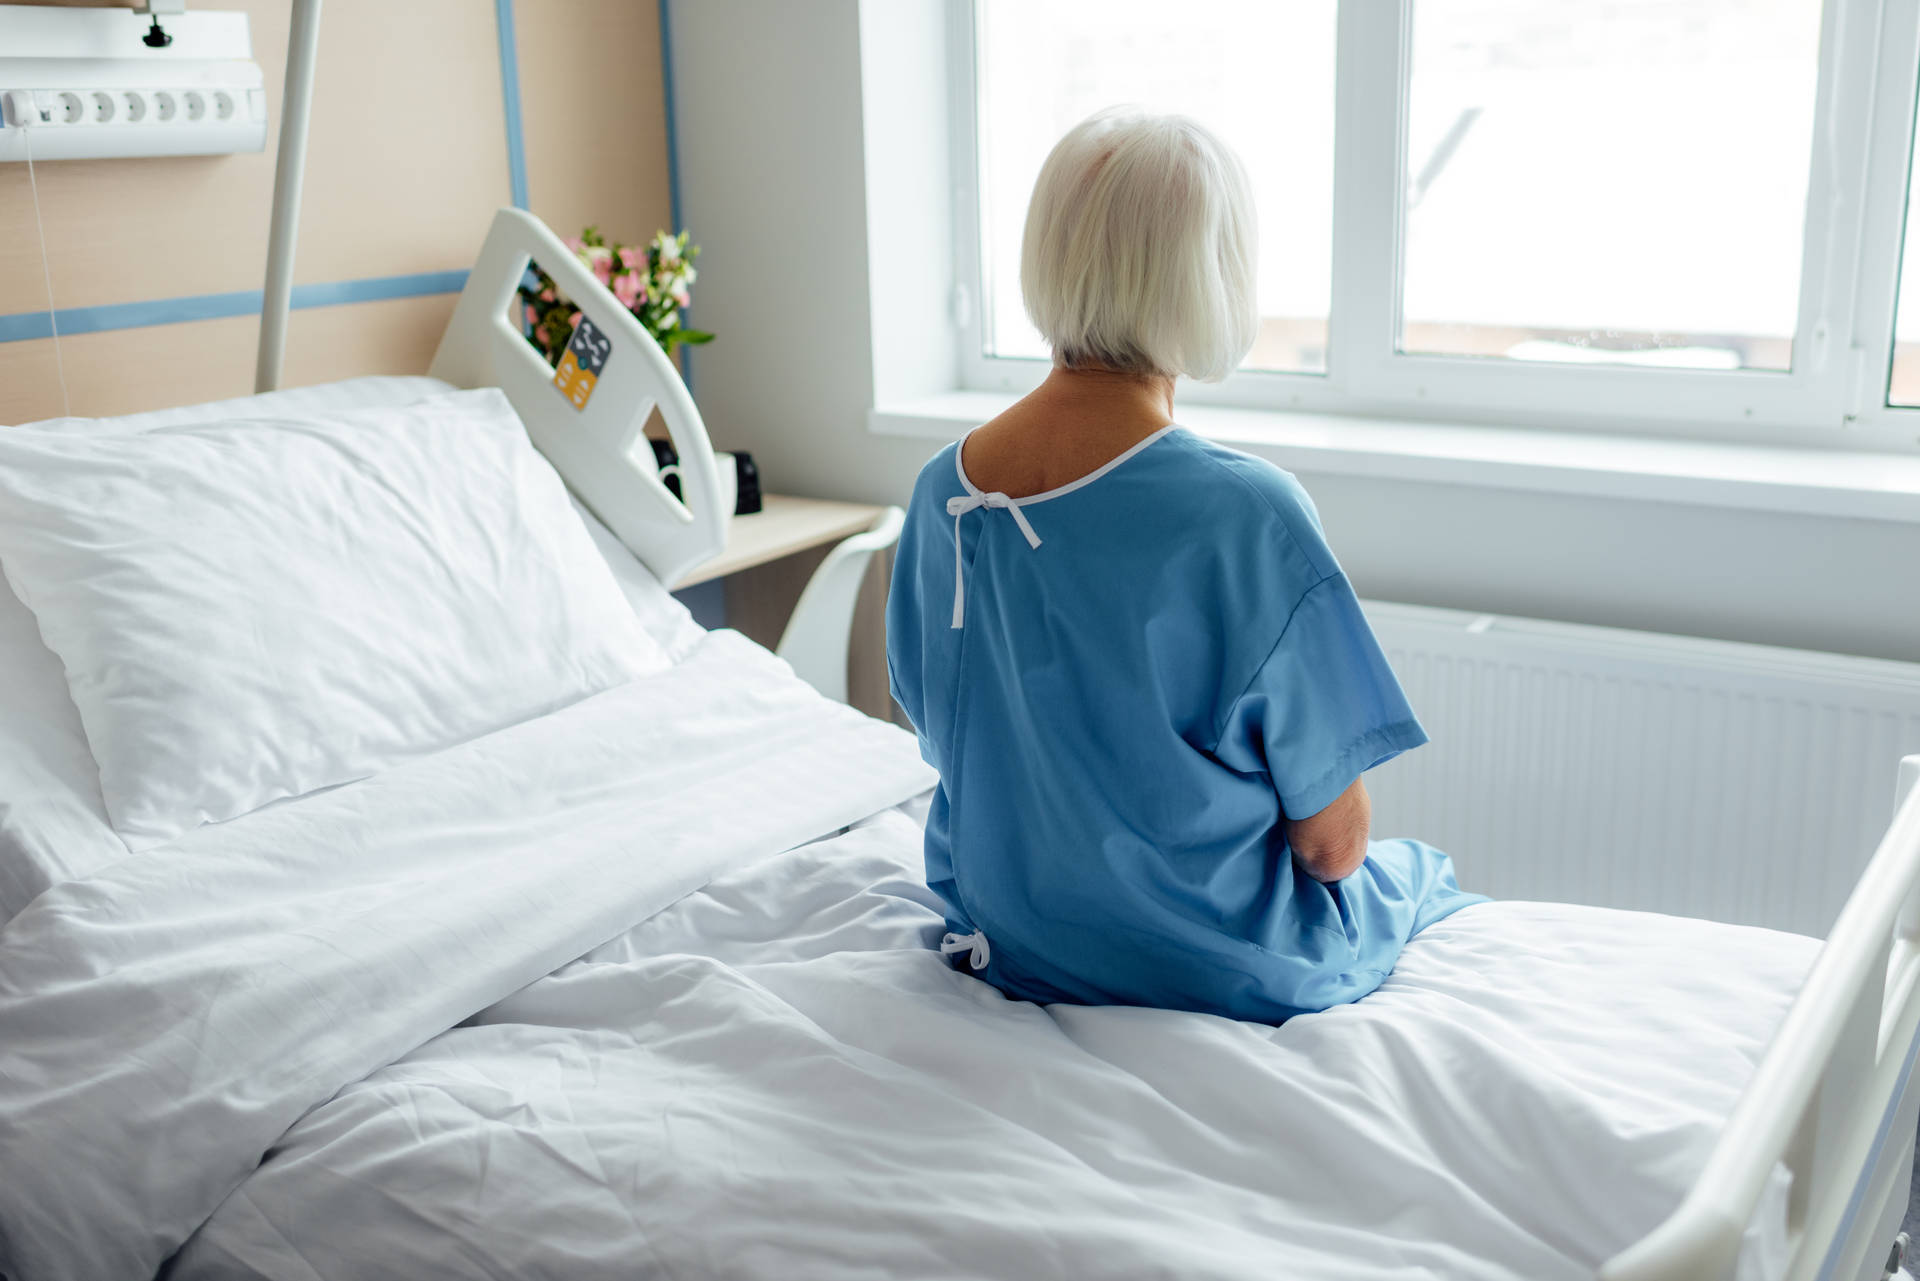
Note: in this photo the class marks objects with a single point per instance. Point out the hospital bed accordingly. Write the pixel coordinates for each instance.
(648, 985)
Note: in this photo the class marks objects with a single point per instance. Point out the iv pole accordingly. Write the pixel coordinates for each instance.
(296, 102)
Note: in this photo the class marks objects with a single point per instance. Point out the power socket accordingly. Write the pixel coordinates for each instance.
(90, 88)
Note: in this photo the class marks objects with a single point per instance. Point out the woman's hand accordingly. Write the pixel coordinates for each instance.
(1332, 844)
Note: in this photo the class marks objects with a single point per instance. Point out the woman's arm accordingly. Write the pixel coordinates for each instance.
(1332, 844)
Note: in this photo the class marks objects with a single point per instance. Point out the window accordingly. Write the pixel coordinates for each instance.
(1642, 215)
(1608, 182)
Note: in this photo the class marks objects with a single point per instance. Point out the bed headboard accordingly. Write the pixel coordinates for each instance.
(599, 447)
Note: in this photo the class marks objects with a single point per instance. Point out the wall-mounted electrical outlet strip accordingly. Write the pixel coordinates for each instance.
(88, 84)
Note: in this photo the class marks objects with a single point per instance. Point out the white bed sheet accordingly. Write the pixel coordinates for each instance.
(778, 1077)
(53, 823)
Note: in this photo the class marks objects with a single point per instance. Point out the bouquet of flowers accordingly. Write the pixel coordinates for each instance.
(653, 283)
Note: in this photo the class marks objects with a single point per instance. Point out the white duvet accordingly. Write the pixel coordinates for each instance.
(777, 1077)
(247, 1042)
(166, 1017)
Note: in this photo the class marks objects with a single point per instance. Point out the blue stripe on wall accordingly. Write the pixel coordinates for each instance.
(245, 302)
(510, 90)
(673, 135)
(673, 163)
(27, 325)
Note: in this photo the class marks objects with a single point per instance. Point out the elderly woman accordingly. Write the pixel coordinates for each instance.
(1146, 684)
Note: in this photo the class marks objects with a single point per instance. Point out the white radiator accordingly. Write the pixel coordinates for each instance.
(1662, 773)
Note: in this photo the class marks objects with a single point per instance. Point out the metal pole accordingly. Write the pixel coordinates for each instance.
(296, 101)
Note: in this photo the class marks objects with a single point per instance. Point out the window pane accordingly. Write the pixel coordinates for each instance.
(1611, 181)
(1258, 74)
(1904, 388)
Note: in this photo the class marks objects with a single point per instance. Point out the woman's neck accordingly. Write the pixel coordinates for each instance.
(1106, 395)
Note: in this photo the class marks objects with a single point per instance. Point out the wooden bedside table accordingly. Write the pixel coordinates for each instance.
(784, 527)
(770, 558)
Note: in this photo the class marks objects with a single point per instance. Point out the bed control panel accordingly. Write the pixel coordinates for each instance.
(581, 366)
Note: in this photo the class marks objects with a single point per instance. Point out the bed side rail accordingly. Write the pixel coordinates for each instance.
(1834, 1071)
(599, 447)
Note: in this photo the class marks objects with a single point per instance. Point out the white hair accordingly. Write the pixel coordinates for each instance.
(1140, 248)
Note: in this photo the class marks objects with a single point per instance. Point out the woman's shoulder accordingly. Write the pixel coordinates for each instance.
(1268, 500)
(938, 478)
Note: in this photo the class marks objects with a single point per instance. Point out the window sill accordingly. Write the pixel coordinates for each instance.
(1812, 482)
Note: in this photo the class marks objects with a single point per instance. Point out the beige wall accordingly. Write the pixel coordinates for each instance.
(407, 161)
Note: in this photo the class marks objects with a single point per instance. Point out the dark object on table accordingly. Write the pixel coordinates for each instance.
(667, 458)
(746, 475)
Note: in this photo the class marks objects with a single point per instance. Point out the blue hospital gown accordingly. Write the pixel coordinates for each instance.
(1153, 666)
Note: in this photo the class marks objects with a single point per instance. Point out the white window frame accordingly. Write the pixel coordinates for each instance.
(1833, 396)
(1890, 155)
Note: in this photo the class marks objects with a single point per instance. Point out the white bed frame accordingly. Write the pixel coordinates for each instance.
(1832, 1097)
(602, 449)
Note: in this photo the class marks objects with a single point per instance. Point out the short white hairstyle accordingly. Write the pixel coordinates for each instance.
(1140, 248)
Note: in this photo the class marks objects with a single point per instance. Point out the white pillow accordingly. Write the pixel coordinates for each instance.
(252, 609)
(52, 823)
(661, 614)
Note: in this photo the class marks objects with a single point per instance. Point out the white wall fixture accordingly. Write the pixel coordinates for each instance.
(90, 83)
(1740, 783)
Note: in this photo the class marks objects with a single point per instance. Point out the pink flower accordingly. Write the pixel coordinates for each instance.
(574, 320)
(626, 287)
(532, 315)
(631, 258)
(576, 244)
(598, 258)
(546, 295)
(682, 297)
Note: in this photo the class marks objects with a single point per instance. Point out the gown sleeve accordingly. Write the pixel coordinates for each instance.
(1323, 708)
(904, 651)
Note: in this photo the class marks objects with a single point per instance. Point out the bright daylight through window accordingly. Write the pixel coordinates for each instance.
(1608, 180)
(1620, 215)
(1258, 74)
